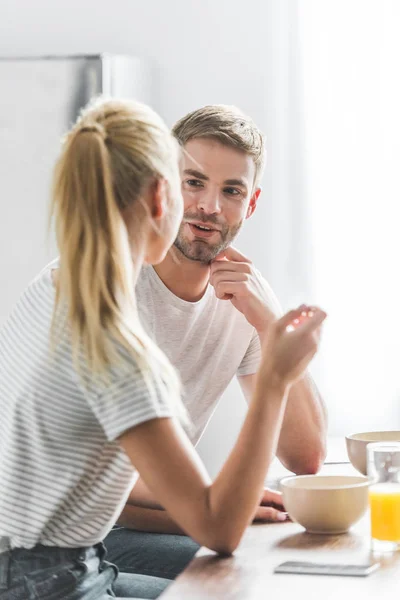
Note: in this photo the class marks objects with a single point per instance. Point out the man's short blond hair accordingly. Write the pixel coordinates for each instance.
(229, 126)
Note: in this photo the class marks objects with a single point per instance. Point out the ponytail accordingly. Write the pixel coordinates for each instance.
(95, 289)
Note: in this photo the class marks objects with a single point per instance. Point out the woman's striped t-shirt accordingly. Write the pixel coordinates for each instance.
(63, 477)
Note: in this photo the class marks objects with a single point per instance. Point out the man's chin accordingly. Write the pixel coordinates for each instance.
(197, 251)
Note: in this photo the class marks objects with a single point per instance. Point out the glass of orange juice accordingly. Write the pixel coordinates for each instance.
(384, 495)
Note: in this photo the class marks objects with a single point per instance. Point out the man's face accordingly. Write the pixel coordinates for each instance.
(217, 188)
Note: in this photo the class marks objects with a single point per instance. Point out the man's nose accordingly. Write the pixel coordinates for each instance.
(210, 203)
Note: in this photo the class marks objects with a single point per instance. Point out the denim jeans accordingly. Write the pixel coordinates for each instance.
(153, 554)
(47, 573)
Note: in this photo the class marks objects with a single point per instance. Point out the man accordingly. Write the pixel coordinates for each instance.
(209, 309)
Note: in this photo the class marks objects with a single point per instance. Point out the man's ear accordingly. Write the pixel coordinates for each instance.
(253, 203)
(158, 199)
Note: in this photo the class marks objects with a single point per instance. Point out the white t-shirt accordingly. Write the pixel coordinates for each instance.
(63, 477)
(208, 341)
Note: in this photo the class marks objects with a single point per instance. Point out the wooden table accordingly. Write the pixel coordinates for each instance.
(248, 574)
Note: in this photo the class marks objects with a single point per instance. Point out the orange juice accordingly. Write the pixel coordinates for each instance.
(384, 501)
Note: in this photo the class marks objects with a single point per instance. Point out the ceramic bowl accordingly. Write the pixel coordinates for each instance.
(328, 504)
(357, 445)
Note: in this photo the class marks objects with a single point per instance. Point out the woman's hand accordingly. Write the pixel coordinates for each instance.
(291, 343)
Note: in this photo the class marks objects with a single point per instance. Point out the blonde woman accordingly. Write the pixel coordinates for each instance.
(89, 401)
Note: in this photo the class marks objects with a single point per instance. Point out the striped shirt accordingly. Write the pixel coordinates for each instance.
(64, 479)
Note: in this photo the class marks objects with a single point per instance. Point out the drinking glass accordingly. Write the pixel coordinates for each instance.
(384, 495)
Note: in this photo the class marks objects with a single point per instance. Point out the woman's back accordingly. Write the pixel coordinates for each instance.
(64, 479)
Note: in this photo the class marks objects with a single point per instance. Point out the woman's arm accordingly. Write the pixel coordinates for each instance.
(216, 514)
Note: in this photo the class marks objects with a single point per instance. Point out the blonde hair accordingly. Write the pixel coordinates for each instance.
(113, 152)
(229, 126)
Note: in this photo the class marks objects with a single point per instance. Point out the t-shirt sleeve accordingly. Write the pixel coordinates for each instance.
(252, 358)
(127, 402)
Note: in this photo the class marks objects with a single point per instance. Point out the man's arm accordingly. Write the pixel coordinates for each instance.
(144, 513)
(140, 495)
(302, 442)
(148, 519)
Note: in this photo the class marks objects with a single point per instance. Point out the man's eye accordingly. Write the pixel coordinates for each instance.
(193, 183)
(232, 191)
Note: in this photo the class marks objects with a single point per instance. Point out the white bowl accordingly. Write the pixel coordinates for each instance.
(328, 504)
(357, 446)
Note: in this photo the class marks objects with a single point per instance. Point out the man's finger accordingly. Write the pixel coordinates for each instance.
(228, 276)
(267, 514)
(231, 288)
(272, 498)
(233, 254)
(229, 265)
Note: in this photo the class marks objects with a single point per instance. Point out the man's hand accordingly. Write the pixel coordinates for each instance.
(234, 278)
(271, 508)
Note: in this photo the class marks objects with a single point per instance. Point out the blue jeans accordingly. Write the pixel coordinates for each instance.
(153, 554)
(47, 573)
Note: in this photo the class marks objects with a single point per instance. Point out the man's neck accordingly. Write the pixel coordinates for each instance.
(187, 279)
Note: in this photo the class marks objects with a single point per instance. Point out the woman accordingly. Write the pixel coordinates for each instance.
(88, 400)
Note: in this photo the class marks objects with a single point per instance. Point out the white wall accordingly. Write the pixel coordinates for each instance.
(209, 51)
(352, 93)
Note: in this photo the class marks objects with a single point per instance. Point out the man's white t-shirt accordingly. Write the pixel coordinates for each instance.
(208, 341)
